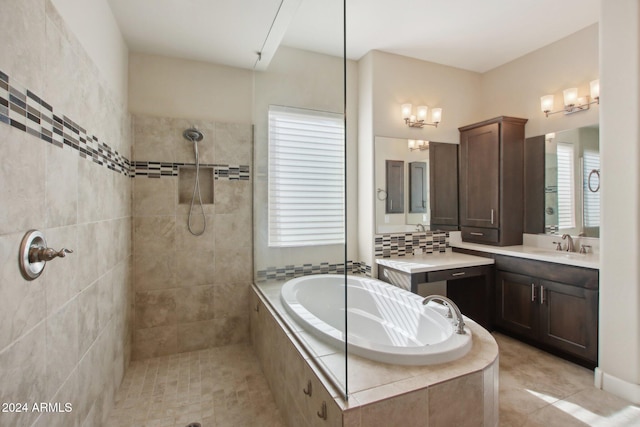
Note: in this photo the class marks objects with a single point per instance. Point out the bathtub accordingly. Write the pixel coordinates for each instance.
(385, 323)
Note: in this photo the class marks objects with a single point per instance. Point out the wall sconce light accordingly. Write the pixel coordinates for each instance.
(572, 103)
(420, 118)
(418, 145)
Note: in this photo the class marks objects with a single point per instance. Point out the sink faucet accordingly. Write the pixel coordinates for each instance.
(420, 227)
(452, 307)
(570, 247)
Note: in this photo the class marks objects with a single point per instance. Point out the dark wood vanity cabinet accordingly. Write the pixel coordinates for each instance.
(491, 181)
(552, 305)
(443, 182)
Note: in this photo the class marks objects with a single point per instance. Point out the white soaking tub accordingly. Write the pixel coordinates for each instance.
(385, 323)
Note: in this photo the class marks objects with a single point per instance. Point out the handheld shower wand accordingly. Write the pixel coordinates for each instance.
(194, 135)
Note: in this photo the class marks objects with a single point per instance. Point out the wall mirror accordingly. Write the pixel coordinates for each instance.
(417, 189)
(572, 182)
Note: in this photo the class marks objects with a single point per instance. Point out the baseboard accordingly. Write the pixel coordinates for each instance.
(617, 386)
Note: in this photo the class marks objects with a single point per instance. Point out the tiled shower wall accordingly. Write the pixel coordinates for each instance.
(190, 291)
(64, 337)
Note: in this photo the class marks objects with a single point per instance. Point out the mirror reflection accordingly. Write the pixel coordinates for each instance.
(572, 182)
(402, 184)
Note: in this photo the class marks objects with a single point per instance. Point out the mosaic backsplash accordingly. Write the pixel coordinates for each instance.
(293, 271)
(400, 244)
(164, 169)
(26, 111)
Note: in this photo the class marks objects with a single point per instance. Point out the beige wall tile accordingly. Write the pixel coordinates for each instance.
(195, 303)
(68, 393)
(185, 241)
(194, 268)
(233, 230)
(234, 144)
(62, 345)
(22, 195)
(234, 266)
(154, 234)
(196, 335)
(231, 330)
(154, 196)
(407, 409)
(60, 277)
(61, 186)
(232, 197)
(22, 304)
(23, 373)
(230, 299)
(153, 342)
(155, 308)
(88, 318)
(155, 270)
(467, 389)
(22, 29)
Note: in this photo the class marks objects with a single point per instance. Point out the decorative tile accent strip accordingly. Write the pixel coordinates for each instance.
(24, 110)
(161, 169)
(293, 271)
(388, 245)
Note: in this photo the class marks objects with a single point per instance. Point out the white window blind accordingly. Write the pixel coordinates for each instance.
(591, 161)
(566, 194)
(306, 177)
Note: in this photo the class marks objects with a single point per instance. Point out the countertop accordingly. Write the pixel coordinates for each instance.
(535, 253)
(433, 262)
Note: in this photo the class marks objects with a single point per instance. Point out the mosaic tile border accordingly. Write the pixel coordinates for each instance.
(166, 169)
(401, 244)
(293, 271)
(26, 111)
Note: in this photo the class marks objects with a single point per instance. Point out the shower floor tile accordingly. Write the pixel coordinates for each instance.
(216, 387)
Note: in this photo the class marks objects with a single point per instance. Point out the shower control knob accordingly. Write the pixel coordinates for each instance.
(34, 254)
(47, 254)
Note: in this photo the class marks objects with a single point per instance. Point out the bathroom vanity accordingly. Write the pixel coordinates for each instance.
(469, 279)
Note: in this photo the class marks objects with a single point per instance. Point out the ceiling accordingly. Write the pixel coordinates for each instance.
(468, 34)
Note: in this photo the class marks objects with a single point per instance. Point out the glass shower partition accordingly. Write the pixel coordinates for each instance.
(300, 177)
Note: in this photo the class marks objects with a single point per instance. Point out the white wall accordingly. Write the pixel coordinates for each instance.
(515, 88)
(398, 80)
(180, 88)
(620, 229)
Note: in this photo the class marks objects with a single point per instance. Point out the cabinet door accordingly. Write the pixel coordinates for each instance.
(479, 176)
(569, 319)
(418, 187)
(395, 186)
(443, 185)
(517, 303)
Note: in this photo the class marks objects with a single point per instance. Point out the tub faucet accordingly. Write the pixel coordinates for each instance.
(420, 227)
(452, 307)
(570, 247)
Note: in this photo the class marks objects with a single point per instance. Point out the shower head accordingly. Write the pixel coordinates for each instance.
(193, 135)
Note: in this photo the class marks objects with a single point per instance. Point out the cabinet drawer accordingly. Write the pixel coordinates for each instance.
(456, 273)
(480, 235)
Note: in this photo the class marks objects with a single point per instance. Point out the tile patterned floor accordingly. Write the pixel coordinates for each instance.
(217, 387)
(224, 387)
(538, 389)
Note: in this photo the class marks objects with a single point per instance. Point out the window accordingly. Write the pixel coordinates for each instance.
(306, 177)
(566, 196)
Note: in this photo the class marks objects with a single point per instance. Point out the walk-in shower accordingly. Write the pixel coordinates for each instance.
(195, 136)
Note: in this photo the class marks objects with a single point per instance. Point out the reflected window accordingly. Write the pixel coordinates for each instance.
(566, 196)
(306, 177)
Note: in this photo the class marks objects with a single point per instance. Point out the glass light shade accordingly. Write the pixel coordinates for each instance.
(406, 111)
(594, 85)
(412, 144)
(412, 119)
(436, 115)
(546, 103)
(422, 113)
(570, 96)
